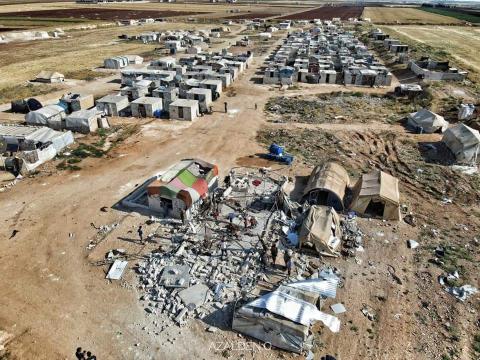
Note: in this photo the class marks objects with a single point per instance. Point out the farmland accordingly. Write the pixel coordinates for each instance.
(253, 15)
(327, 13)
(460, 44)
(98, 13)
(406, 15)
(465, 15)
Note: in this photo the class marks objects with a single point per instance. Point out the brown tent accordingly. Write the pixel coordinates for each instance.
(322, 229)
(327, 185)
(377, 194)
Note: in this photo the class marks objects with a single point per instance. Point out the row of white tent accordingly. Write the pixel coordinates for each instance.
(462, 140)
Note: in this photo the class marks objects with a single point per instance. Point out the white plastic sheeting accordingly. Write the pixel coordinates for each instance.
(296, 310)
(50, 115)
(327, 288)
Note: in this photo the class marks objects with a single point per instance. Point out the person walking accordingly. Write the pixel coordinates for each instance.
(226, 106)
(79, 354)
(274, 253)
(256, 106)
(140, 233)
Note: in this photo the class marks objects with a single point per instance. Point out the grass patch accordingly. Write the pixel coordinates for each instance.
(452, 13)
(85, 74)
(96, 149)
(37, 22)
(476, 343)
(17, 92)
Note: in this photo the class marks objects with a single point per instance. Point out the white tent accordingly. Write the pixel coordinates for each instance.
(50, 115)
(83, 121)
(464, 142)
(427, 121)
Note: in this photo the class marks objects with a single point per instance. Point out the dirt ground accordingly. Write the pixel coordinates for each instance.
(55, 296)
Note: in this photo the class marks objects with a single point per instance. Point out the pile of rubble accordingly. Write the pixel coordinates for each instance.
(183, 283)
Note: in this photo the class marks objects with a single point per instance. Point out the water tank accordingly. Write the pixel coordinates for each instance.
(276, 149)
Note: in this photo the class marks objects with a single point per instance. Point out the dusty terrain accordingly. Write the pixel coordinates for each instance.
(55, 297)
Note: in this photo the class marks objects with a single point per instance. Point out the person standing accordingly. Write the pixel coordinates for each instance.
(290, 266)
(286, 257)
(256, 106)
(223, 248)
(140, 233)
(274, 253)
(226, 106)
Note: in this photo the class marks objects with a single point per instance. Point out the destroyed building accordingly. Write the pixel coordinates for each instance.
(283, 317)
(182, 189)
(429, 69)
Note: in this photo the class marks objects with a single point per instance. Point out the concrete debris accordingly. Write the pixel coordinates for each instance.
(338, 308)
(368, 313)
(412, 244)
(212, 329)
(352, 236)
(463, 292)
(116, 270)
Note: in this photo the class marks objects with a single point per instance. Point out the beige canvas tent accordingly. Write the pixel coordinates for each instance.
(463, 142)
(377, 194)
(321, 228)
(327, 185)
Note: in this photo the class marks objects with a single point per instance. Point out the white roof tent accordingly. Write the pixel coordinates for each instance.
(50, 115)
(463, 142)
(50, 77)
(112, 105)
(427, 121)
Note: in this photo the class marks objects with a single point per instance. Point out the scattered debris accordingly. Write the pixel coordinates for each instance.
(116, 270)
(338, 308)
(412, 244)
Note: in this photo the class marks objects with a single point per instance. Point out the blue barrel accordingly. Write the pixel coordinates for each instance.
(276, 149)
(157, 114)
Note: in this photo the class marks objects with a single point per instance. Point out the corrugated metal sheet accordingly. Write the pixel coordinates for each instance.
(327, 288)
(294, 309)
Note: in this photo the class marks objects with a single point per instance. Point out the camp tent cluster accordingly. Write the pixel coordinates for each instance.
(375, 194)
(182, 188)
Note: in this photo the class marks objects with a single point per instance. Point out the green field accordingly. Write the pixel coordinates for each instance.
(26, 22)
(453, 13)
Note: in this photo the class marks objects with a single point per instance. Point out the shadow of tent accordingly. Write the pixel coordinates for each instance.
(115, 81)
(436, 153)
(140, 194)
(220, 318)
(256, 80)
(299, 186)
